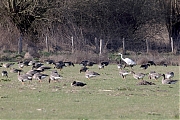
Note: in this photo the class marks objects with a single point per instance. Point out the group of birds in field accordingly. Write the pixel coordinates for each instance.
(38, 68)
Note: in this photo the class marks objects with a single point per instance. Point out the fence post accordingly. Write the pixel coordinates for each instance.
(100, 47)
(124, 49)
(72, 44)
(172, 45)
(47, 44)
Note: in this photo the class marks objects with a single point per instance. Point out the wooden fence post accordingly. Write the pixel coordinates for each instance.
(100, 47)
(47, 44)
(72, 44)
(172, 45)
(124, 49)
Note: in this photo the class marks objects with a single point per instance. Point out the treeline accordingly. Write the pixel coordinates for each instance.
(53, 24)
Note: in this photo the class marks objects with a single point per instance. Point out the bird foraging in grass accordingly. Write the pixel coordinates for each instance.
(154, 75)
(24, 78)
(54, 76)
(4, 73)
(78, 83)
(138, 75)
(89, 74)
(123, 73)
(145, 66)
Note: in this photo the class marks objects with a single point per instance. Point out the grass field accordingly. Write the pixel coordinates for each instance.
(107, 96)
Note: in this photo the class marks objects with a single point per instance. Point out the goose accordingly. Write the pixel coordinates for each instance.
(39, 76)
(144, 66)
(100, 66)
(154, 75)
(144, 82)
(169, 75)
(14, 70)
(69, 64)
(20, 64)
(54, 76)
(59, 65)
(89, 74)
(138, 75)
(48, 61)
(123, 73)
(7, 65)
(23, 78)
(128, 61)
(86, 63)
(83, 63)
(120, 66)
(31, 72)
(105, 63)
(83, 69)
(168, 81)
(4, 73)
(152, 62)
(78, 83)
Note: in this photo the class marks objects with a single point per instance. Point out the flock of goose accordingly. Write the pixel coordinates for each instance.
(38, 68)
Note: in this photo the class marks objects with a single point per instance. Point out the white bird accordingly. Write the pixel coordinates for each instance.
(128, 61)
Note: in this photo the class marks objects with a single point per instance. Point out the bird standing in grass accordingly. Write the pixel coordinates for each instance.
(145, 66)
(154, 75)
(24, 78)
(39, 76)
(7, 65)
(138, 75)
(4, 73)
(54, 76)
(123, 73)
(89, 74)
(128, 61)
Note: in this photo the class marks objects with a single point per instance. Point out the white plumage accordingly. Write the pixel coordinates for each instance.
(128, 61)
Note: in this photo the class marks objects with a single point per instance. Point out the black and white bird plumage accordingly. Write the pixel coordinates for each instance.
(4, 73)
(78, 83)
(144, 66)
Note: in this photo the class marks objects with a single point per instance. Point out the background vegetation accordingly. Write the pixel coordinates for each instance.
(49, 25)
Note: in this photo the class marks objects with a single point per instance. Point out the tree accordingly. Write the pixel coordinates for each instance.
(22, 13)
(171, 14)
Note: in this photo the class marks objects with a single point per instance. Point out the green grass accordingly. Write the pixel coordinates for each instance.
(107, 96)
